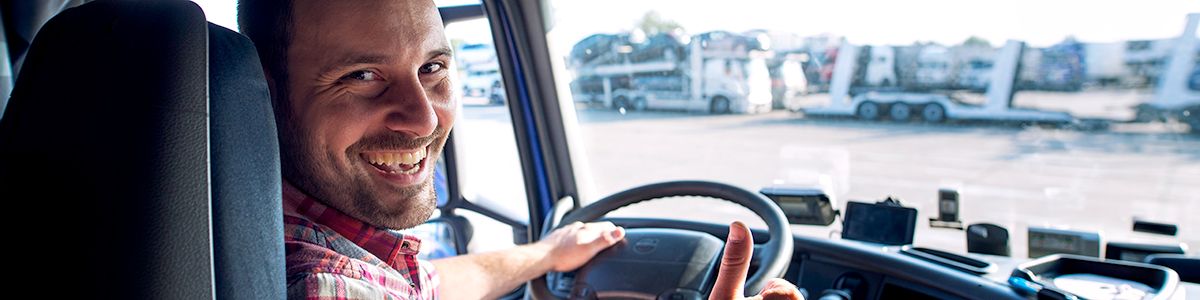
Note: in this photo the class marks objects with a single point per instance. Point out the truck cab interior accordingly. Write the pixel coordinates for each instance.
(140, 150)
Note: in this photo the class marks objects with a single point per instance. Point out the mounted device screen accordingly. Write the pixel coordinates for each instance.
(803, 206)
(879, 223)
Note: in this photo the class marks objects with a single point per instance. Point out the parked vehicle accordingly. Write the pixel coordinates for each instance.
(933, 67)
(717, 72)
(902, 106)
(1059, 67)
(788, 80)
(481, 72)
(1103, 64)
(1177, 95)
(881, 66)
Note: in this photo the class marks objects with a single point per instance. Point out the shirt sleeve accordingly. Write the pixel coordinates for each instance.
(429, 279)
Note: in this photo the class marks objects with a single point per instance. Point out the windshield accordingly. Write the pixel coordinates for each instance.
(1062, 114)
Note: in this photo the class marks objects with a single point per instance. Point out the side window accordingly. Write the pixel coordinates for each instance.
(220, 12)
(488, 165)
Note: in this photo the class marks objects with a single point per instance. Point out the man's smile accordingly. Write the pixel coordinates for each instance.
(401, 166)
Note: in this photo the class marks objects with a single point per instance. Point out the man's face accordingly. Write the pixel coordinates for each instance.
(371, 107)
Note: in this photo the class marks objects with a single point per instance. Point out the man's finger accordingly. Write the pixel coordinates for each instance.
(735, 263)
(779, 289)
(602, 227)
(601, 234)
(610, 235)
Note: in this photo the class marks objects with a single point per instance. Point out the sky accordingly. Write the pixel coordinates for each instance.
(875, 22)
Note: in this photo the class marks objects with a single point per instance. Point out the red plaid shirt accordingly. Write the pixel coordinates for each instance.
(333, 256)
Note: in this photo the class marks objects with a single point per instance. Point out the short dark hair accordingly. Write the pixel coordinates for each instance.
(268, 23)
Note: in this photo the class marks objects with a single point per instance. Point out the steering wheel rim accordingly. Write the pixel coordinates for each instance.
(777, 251)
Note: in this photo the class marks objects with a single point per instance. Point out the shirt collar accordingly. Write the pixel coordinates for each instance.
(386, 244)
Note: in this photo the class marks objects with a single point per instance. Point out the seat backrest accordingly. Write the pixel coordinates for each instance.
(247, 195)
(984, 238)
(148, 132)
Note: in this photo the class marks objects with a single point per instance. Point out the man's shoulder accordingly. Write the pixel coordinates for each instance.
(308, 258)
(300, 228)
(312, 245)
(316, 272)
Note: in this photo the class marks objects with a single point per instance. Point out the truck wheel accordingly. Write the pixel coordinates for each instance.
(900, 112)
(933, 113)
(1191, 116)
(1145, 114)
(639, 104)
(868, 111)
(720, 105)
(497, 99)
(621, 102)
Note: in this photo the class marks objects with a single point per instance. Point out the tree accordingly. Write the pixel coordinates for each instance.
(653, 23)
(976, 41)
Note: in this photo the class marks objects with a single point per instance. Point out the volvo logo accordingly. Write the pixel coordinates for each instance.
(645, 246)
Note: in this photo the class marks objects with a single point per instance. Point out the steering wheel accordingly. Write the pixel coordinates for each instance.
(664, 263)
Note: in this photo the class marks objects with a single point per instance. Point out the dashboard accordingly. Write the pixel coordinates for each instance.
(882, 272)
(849, 269)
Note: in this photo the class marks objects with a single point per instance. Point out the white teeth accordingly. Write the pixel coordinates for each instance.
(412, 170)
(409, 171)
(396, 158)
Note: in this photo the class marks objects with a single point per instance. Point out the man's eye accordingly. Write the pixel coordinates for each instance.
(362, 75)
(430, 68)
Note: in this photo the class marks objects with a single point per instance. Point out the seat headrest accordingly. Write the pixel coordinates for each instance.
(112, 112)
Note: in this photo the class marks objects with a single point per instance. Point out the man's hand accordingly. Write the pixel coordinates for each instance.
(493, 274)
(736, 263)
(574, 245)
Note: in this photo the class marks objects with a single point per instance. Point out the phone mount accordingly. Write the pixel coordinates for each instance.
(947, 211)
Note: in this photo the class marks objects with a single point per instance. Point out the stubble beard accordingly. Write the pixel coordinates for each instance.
(352, 190)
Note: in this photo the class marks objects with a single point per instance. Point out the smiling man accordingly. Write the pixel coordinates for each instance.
(364, 105)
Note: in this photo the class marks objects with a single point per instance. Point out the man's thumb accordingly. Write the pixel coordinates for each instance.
(735, 263)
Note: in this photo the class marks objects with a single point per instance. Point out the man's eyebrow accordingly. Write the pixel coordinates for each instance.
(440, 52)
(378, 59)
(358, 59)
(365, 59)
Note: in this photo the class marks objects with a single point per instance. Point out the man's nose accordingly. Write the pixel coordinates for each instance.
(410, 110)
